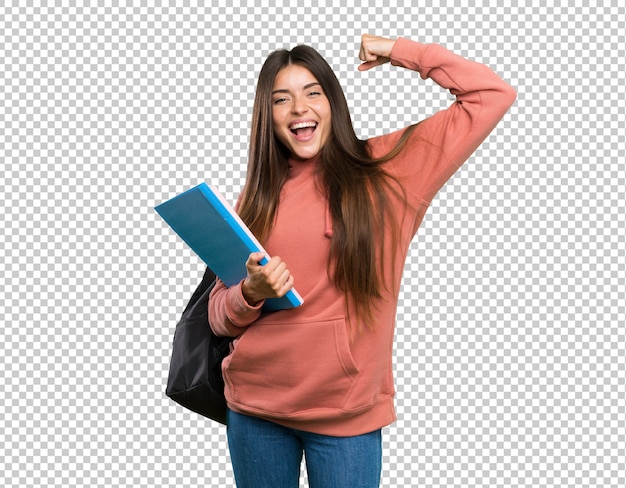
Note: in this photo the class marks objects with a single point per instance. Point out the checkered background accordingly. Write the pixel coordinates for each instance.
(511, 344)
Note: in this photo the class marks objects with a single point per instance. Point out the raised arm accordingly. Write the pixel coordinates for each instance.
(449, 137)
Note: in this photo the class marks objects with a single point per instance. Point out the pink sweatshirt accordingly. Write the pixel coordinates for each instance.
(306, 368)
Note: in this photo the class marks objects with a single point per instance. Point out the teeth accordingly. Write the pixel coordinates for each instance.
(302, 125)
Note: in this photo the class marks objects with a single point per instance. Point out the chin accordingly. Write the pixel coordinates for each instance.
(305, 153)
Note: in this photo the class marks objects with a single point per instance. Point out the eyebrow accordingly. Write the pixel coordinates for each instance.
(306, 87)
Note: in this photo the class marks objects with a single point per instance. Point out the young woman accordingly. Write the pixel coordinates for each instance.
(338, 215)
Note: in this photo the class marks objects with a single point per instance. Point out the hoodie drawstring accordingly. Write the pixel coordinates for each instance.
(328, 223)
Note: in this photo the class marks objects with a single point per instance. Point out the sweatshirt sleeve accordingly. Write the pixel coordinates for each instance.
(229, 312)
(447, 139)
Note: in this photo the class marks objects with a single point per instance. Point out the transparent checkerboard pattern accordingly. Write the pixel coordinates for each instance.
(510, 356)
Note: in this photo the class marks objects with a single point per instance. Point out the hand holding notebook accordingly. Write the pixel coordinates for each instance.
(213, 230)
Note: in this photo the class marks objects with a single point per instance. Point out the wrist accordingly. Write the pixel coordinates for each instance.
(389, 48)
(249, 295)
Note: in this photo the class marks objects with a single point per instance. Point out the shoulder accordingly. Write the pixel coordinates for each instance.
(382, 145)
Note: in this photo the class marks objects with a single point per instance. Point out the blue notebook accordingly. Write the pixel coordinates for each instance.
(213, 230)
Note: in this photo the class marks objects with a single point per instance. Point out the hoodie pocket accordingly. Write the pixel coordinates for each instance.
(289, 368)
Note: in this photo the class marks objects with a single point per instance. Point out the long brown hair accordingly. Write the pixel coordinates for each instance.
(356, 185)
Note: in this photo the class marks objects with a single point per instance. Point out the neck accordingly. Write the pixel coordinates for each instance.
(296, 160)
(299, 166)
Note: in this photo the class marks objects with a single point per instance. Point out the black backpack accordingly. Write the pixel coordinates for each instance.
(195, 377)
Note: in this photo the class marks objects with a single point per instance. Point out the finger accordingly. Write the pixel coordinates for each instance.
(285, 287)
(365, 40)
(255, 257)
(372, 64)
(365, 53)
(277, 284)
(275, 274)
(274, 266)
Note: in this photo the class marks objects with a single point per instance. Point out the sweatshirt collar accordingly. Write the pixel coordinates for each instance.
(297, 166)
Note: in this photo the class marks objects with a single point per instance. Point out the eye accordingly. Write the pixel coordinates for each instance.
(278, 101)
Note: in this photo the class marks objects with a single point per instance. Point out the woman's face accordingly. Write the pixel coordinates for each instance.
(301, 112)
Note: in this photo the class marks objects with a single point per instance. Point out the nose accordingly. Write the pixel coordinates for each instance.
(299, 105)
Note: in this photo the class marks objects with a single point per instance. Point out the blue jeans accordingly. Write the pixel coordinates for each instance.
(267, 455)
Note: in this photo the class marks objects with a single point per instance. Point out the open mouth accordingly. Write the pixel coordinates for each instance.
(303, 130)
